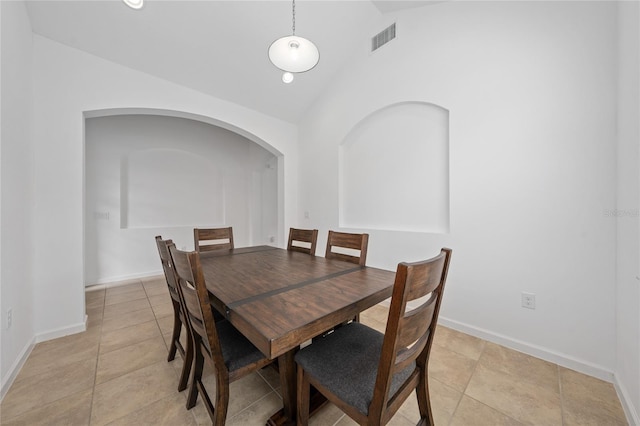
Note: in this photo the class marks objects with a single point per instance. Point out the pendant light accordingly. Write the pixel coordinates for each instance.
(134, 4)
(293, 54)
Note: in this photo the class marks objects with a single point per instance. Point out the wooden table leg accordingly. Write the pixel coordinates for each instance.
(288, 377)
(287, 367)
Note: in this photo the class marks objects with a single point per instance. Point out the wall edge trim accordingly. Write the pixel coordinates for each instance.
(114, 281)
(563, 360)
(62, 331)
(633, 418)
(11, 375)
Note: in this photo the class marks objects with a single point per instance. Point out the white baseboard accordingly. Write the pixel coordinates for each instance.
(61, 332)
(633, 418)
(11, 375)
(115, 279)
(563, 360)
(546, 354)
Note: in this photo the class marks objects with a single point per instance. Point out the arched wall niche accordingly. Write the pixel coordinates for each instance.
(159, 172)
(394, 170)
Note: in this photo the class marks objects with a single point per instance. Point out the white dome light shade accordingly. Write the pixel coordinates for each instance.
(134, 4)
(293, 54)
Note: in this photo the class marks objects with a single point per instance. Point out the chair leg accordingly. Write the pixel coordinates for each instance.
(196, 375)
(303, 398)
(207, 403)
(422, 392)
(222, 401)
(186, 366)
(175, 336)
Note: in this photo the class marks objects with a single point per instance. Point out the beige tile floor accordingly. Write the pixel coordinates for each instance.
(116, 373)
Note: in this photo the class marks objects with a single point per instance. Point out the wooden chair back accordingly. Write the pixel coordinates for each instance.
(213, 239)
(167, 266)
(195, 298)
(240, 356)
(179, 318)
(349, 241)
(308, 236)
(409, 333)
(371, 385)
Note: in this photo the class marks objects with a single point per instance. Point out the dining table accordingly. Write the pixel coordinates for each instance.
(281, 299)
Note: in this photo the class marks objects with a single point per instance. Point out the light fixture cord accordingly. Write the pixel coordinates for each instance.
(293, 14)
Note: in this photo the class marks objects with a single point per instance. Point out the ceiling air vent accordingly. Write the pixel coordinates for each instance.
(383, 37)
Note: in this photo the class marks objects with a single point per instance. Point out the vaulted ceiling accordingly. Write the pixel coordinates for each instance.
(219, 47)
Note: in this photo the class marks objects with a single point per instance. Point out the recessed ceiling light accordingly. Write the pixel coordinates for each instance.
(134, 4)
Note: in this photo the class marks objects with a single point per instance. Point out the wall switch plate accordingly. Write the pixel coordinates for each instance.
(9, 317)
(528, 300)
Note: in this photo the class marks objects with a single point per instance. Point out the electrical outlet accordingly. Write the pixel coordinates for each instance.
(9, 317)
(528, 300)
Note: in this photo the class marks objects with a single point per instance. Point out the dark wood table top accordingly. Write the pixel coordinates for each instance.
(279, 299)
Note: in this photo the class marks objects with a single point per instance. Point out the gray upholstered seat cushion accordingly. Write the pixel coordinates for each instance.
(346, 363)
(237, 351)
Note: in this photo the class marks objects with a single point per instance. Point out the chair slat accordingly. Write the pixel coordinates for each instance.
(348, 241)
(425, 278)
(416, 323)
(309, 236)
(207, 239)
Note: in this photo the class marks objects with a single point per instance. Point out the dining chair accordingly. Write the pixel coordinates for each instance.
(354, 243)
(232, 355)
(351, 242)
(308, 237)
(178, 314)
(369, 375)
(213, 239)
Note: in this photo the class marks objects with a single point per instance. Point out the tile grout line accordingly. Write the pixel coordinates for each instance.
(191, 411)
(464, 391)
(265, 380)
(484, 346)
(510, 416)
(98, 354)
(162, 335)
(339, 419)
(155, 318)
(251, 405)
(562, 415)
(95, 374)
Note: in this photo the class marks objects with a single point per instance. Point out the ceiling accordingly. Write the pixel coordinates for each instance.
(218, 47)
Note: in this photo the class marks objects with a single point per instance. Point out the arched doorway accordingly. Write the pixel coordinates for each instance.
(157, 172)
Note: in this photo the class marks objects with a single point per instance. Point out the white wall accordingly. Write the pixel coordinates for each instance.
(68, 83)
(627, 215)
(16, 190)
(211, 187)
(531, 92)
